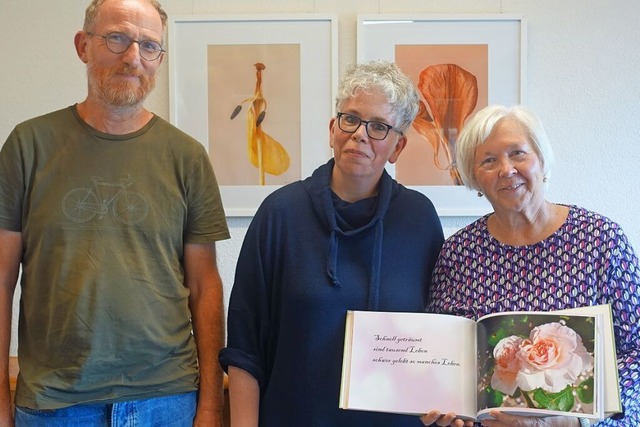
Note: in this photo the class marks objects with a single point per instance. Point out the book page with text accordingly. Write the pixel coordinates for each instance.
(409, 363)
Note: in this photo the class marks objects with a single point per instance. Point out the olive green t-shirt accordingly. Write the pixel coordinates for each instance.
(104, 312)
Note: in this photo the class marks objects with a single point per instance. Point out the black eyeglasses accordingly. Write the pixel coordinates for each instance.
(119, 43)
(375, 129)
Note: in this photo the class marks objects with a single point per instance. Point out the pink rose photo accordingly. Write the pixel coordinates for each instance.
(534, 361)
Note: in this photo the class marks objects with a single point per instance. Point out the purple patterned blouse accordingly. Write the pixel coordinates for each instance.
(587, 261)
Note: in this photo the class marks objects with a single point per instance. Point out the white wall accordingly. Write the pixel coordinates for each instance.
(583, 62)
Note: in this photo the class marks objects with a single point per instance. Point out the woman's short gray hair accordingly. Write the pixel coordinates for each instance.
(480, 126)
(386, 78)
(94, 7)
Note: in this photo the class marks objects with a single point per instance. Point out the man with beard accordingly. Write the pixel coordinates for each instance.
(112, 214)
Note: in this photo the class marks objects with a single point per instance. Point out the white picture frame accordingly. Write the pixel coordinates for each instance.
(193, 43)
(503, 37)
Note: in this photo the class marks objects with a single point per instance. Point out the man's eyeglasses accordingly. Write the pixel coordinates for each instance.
(119, 43)
(375, 130)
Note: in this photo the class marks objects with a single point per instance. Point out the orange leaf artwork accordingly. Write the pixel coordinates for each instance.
(451, 93)
(265, 153)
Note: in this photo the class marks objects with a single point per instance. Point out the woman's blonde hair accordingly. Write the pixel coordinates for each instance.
(480, 126)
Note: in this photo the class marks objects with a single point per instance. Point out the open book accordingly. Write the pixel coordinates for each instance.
(528, 363)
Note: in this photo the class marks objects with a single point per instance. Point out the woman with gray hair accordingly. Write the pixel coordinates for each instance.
(534, 255)
(349, 237)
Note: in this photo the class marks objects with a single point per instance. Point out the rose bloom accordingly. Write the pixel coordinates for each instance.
(507, 365)
(552, 358)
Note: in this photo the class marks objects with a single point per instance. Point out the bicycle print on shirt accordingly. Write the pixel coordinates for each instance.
(80, 205)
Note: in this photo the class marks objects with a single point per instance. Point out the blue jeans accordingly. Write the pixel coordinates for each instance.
(176, 410)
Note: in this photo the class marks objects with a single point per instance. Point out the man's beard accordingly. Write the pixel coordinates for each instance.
(119, 93)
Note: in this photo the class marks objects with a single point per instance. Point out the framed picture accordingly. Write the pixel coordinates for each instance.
(258, 93)
(459, 64)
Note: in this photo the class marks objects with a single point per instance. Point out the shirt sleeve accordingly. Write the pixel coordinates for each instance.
(623, 289)
(248, 321)
(12, 185)
(206, 220)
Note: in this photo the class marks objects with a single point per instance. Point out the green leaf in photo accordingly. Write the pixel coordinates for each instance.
(561, 401)
(585, 391)
(490, 398)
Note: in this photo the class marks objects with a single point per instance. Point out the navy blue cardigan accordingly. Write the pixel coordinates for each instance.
(300, 269)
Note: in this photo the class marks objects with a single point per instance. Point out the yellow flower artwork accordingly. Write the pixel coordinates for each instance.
(264, 152)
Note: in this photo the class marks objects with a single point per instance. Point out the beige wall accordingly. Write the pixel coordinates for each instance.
(582, 78)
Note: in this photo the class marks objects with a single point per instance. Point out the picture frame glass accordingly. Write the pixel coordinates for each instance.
(459, 65)
(257, 92)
